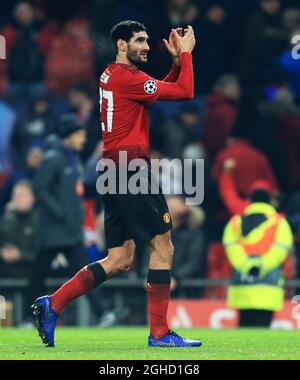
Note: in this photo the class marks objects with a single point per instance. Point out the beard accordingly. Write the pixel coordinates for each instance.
(134, 57)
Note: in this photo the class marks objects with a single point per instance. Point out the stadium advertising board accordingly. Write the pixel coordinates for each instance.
(216, 315)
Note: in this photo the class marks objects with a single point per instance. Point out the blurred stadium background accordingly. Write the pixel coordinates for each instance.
(247, 107)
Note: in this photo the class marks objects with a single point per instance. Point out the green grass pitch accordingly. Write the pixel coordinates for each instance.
(130, 343)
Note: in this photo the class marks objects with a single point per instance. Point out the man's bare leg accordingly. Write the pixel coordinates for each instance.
(119, 260)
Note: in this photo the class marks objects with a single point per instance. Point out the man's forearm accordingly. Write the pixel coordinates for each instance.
(230, 196)
(183, 88)
(173, 73)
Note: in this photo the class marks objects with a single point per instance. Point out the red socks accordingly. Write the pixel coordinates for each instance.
(86, 279)
(158, 302)
(158, 290)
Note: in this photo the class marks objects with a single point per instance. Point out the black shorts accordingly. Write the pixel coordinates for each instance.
(135, 216)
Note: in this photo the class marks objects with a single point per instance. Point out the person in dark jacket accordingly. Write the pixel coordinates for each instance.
(265, 39)
(181, 132)
(33, 161)
(217, 52)
(57, 187)
(18, 230)
(32, 127)
(87, 112)
(22, 36)
(188, 239)
(58, 190)
(25, 53)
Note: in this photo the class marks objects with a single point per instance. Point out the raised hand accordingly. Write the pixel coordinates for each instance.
(186, 42)
(171, 45)
(229, 165)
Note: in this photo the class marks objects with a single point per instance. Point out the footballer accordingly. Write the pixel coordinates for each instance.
(125, 94)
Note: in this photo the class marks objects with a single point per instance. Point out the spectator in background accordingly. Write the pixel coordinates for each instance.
(70, 57)
(32, 127)
(58, 188)
(257, 244)
(181, 12)
(102, 15)
(286, 62)
(278, 135)
(87, 112)
(215, 54)
(171, 14)
(182, 131)
(220, 115)
(24, 51)
(251, 165)
(292, 211)
(18, 233)
(188, 240)
(7, 119)
(291, 20)
(235, 204)
(33, 161)
(265, 39)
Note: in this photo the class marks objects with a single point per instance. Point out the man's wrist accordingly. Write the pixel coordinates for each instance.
(185, 51)
(176, 60)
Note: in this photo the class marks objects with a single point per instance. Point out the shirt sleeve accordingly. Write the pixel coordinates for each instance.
(173, 74)
(234, 203)
(144, 88)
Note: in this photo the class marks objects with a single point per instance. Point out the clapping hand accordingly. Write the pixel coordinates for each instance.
(180, 40)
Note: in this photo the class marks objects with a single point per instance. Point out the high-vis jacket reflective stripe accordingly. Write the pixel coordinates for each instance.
(261, 246)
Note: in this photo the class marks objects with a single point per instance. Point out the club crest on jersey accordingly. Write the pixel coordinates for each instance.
(150, 87)
(167, 218)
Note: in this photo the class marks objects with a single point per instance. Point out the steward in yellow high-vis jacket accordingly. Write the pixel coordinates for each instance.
(257, 244)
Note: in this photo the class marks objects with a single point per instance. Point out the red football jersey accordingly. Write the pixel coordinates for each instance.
(125, 93)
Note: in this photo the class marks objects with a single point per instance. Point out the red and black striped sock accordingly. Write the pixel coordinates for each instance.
(158, 291)
(86, 279)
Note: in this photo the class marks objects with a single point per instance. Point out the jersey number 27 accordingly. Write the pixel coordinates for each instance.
(108, 95)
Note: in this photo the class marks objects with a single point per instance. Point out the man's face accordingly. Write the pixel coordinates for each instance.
(23, 198)
(179, 4)
(271, 6)
(77, 140)
(216, 15)
(41, 106)
(24, 13)
(34, 158)
(76, 98)
(190, 119)
(232, 90)
(137, 48)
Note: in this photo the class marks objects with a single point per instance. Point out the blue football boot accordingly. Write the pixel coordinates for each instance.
(172, 340)
(45, 319)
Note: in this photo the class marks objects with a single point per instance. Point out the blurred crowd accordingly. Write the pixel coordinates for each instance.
(244, 121)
